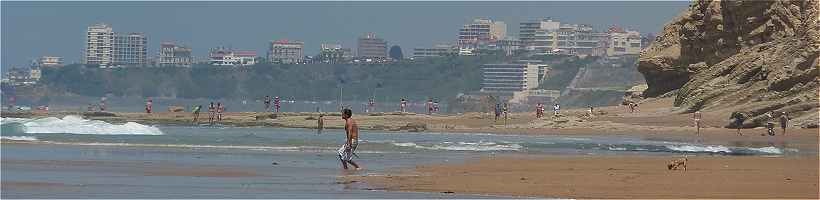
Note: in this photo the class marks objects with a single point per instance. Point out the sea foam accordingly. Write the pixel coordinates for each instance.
(77, 125)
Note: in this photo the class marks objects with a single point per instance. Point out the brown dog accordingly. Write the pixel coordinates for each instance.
(679, 163)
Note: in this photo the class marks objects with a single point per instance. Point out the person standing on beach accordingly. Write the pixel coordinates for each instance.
(196, 113)
(219, 110)
(211, 113)
(352, 142)
(539, 110)
(403, 105)
(430, 106)
(102, 103)
(555, 109)
(267, 103)
(435, 106)
(149, 106)
(506, 112)
(320, 123)
(784, 122)
(497, 111)
(696, 117)
(276, 103)
(738, 120)
(769, 123)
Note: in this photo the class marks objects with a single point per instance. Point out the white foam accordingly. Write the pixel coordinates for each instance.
(691, 148)
(464, 146)
(77, 125)
(19, 138)
(770, 150)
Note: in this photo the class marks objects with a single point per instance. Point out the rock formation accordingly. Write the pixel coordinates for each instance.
(748, 56)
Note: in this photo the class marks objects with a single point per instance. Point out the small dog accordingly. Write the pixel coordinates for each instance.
(675, 164)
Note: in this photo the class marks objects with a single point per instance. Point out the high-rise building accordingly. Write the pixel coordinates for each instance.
(130, 49)
(172, 55)
(104, 47)
(481, 32)
(370, 46)
(99, 45)
(286, 52)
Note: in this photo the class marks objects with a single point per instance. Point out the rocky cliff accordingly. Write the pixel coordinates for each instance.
(748, 56)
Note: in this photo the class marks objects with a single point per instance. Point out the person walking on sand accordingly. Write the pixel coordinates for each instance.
(556, 109)
(696, 117)
(211, 113)
(196, 113)
(267, 103)
(506, 112)
(539, 110)
(403, 105)
(738, 120)
(149, 106)
(430, 106)
(784, 122)
(320, 123)
(348, 149)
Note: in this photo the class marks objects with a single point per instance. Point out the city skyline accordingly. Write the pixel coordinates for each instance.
(251, 25)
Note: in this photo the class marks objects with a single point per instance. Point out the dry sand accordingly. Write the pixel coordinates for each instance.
(644, 177)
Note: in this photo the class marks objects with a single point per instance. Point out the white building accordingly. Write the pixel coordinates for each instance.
(545, 36)
(509, 78)
(171, 54)
(286, 52)
(481, 32)
(623, 42)
(438, 50)
(130, 49)
(99, 45)
(228, 57)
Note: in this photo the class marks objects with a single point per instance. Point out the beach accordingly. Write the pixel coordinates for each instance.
(611, 154)
(620, 177)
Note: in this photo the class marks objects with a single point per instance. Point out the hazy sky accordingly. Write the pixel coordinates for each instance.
(33, 29)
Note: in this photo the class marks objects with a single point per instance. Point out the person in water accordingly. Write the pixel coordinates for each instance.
(348, 149)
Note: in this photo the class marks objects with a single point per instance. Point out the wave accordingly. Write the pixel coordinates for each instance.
(463, 146)
(19, 138)
(77, 125)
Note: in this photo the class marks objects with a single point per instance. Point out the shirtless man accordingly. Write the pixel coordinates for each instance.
(347, 150)
(320, 124)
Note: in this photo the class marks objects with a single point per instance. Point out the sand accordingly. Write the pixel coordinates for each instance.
(644, 177)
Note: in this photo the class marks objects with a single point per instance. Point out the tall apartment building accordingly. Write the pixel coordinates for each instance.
(286, 52)
(370, 46)
(623, 42)
(130, 49)
(104, 47)
(481, 32)
(99, 47)
(172, 55)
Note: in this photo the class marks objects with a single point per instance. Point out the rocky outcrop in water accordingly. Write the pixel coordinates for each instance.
(748, 56)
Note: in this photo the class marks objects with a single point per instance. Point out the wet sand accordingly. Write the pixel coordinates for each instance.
(644, 177)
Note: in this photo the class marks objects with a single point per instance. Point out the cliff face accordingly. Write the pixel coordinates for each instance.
(753, 56)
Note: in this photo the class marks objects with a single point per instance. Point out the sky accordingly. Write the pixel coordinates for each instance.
(29, 30)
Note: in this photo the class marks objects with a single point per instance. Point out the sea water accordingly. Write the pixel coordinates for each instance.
(116, 160)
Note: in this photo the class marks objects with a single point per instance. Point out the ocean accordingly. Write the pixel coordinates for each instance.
(72, 157)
